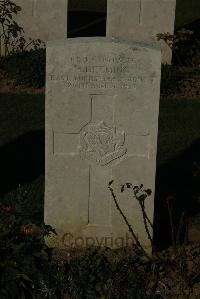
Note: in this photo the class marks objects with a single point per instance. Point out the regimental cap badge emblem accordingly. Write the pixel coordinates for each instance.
(101, 143)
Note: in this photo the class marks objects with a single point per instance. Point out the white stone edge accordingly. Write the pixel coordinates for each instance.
(130, 42)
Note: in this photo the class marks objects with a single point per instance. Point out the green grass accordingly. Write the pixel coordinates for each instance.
(187, 11)
(21, 151)
(20, 114)
(178, 127)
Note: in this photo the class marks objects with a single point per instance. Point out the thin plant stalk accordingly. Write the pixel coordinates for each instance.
(172, 225)
(128, 224)
(178, 236)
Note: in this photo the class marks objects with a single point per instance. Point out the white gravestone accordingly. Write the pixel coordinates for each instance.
(102, 103)
(141, 20)
(43, 19)
(133, 19)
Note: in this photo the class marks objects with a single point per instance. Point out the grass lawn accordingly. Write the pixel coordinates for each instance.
(19, 115)
(179, 127)
(187, 11)
(22, 150)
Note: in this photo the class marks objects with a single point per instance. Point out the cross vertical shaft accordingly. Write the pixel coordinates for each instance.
(141, 12)
(33, 7)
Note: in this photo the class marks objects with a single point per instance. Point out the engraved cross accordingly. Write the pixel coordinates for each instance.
(98, 144)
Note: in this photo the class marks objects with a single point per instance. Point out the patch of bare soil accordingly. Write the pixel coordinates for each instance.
(10, 86)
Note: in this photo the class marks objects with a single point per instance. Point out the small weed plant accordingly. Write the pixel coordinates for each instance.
(12, 38)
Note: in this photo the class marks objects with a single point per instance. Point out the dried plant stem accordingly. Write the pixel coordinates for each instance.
(148, 220)
(145, 222)
(172, 226)
(180, 227)
(138, 244)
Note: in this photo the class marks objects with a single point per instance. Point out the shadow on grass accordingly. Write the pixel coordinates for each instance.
(181, 179)
(22, 161)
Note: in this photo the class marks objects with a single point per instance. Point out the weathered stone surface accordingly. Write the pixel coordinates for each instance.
(102, 102)
(141, 20)
(43, 19)
(134, 19)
